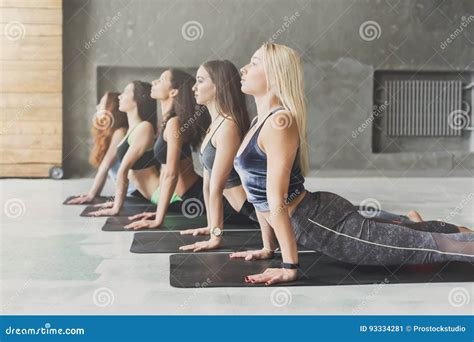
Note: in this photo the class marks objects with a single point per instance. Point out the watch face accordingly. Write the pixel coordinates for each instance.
(217, 231)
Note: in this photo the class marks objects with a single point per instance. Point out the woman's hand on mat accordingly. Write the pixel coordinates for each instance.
(108, 204)
(104, 212)
(213, 243)
(81, 199)
(252, 255)
(196, 231)
(272, 276)
(149, 224)
(142, 216)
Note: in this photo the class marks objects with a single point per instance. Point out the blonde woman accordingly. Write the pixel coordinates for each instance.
(272, 161)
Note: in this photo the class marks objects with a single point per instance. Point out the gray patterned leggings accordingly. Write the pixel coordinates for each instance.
(330, 224)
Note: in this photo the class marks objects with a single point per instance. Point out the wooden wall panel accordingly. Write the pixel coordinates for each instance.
(30, 87)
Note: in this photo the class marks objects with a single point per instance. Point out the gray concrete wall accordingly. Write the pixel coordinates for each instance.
(339, 65)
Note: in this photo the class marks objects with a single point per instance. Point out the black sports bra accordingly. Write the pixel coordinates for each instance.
(161, 147)
(147, 159)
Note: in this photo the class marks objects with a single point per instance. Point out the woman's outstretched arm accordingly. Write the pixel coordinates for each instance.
(142, 138)
(104, 167)
(227, 143)
(280, 145)
(169, 175)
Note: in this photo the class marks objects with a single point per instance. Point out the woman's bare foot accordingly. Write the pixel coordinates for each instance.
(414, 216)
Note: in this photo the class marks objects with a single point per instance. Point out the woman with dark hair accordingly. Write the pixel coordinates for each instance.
(108, 129)
(183, 127)
(135, 151)
(218, 88)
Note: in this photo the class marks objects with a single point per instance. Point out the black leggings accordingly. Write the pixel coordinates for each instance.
(330, 224)
(192, 203)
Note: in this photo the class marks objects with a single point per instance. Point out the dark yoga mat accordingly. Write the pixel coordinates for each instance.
(218, 270)
(128, 201)
(125, 212)
(172, 223)
(169, 242)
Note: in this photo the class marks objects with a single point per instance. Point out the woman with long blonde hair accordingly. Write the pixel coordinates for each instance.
(272, 162)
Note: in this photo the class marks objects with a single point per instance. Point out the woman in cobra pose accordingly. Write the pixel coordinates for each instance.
(109, 127)
(135, 150)
(218, 88)
(184, 124)
(272, 161)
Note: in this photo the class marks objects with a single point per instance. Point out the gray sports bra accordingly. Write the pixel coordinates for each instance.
(208, 156)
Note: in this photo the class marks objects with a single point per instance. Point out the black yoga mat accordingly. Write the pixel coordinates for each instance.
(130, 210)
(171, 223)
(218, 270)
(129, 200)
(169, 242)
(125, 212)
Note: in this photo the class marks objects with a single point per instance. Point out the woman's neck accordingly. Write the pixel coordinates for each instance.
(212, 108)
(166, 106)
(265, 104)
(133, 118)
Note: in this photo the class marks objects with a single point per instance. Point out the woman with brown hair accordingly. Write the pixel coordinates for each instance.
(218, 88)
(108, 129)
(135, 150)
(184, 124)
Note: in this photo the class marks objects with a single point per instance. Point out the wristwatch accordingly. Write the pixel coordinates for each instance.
(217, 232)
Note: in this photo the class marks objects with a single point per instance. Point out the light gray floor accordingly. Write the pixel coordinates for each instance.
(55, 262)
